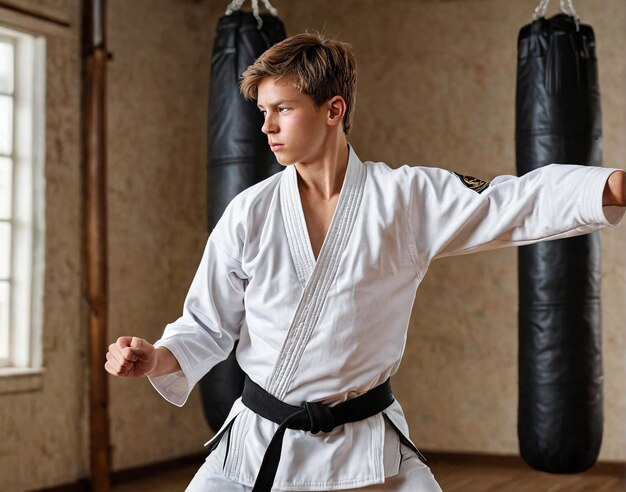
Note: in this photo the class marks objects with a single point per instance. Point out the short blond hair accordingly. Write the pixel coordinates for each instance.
(319, 67)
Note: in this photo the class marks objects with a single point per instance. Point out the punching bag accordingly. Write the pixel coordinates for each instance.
(558, 120)
(239, 157)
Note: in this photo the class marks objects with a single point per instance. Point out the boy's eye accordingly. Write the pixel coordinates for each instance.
(281, 109)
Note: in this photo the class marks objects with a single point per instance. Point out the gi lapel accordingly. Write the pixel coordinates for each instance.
(317, 277)
(295, 224)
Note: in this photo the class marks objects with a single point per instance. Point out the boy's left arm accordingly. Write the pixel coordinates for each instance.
(449, 215)
(615, 190)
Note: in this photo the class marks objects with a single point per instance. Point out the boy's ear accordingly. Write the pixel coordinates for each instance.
(336, 110)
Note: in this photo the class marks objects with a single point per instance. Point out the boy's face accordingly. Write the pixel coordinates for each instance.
(296, 130)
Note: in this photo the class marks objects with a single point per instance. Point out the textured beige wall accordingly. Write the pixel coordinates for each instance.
(437, 87)
(42, 430)
(158, 99)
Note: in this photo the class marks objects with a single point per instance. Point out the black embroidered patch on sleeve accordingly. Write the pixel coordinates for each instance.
(478, 185)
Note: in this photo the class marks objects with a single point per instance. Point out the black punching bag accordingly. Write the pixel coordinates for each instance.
(239, 157)
(558, 120)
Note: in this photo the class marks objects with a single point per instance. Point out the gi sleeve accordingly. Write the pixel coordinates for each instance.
(447, 217)
(213, 313)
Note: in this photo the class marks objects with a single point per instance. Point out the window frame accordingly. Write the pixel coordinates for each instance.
(25, 353)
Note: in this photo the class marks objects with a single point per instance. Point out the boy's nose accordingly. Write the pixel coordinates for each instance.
(268, 125)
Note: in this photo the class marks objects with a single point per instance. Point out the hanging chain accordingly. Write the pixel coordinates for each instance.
(255, 12)
(540, 10)
(567, 7)
(235, 5)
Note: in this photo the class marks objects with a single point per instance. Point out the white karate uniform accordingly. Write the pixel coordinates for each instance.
(328, 330)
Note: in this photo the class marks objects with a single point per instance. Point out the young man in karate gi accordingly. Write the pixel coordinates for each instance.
(314, 270)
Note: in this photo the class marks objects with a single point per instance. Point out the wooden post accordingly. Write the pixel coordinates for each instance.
(95, 141)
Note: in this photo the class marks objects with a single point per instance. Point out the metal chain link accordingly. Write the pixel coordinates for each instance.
(540, 10)
(236, 5)
(567, 7)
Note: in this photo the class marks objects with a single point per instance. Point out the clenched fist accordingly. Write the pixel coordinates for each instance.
(131, 357)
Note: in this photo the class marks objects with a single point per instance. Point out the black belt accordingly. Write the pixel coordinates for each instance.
(312, 417)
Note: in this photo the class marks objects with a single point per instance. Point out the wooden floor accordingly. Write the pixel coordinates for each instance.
(454, 474)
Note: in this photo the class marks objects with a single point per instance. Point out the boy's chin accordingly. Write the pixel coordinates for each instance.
(282, 161)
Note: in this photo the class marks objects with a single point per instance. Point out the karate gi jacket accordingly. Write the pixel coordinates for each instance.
(331, 329)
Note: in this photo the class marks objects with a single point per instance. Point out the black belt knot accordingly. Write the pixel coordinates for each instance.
(320, 418)
(311, 417)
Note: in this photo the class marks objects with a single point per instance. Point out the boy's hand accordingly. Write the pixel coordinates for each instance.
(615, 190)
(131, 357)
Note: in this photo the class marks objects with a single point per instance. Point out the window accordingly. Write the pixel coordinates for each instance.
(22, 88)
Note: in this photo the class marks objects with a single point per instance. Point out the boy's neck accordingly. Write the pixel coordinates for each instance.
(323, 179)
